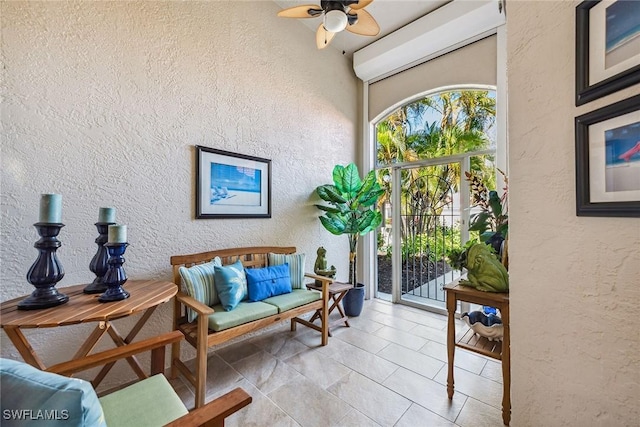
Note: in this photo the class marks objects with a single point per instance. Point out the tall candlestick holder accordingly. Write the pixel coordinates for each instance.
(115, 276)
(98, 265)
(46, 271)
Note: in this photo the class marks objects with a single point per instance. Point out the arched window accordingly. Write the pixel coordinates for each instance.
(429, 145)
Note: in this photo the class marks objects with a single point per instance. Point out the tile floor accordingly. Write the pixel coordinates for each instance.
(388, 369)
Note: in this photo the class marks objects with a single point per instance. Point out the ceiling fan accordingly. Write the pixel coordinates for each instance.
(336, 16)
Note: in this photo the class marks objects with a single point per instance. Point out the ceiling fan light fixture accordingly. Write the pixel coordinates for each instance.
(335, 21)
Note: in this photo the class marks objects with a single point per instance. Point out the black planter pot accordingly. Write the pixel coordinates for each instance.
(353, 301)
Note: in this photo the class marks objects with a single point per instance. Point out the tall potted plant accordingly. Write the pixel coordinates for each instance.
(351, 210)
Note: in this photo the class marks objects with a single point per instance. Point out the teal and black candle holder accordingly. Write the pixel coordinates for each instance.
(115, 276)
(98, 265)
(46, 271)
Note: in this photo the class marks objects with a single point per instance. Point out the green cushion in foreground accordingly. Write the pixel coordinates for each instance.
(151, 402)
(294, 299)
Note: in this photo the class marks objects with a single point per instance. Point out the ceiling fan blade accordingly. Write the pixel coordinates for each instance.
(323, 37)
(366, 25)
(304, 11)
(361, 4)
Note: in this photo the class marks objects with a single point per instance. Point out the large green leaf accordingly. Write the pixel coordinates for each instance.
(328, 208)
(495, 204)
(347, 179)
(369, 221)
(330, 193)
(333, 225)
(480, 222)
(372, 196)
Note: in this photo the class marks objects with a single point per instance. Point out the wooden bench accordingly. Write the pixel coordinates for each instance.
(198, 334)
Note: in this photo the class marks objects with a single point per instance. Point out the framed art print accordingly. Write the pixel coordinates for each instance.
(607, 47)
(230, 185)
(608, 160)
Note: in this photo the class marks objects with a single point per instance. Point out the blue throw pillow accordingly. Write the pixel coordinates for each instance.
(231, 284)
(268, 282)
(296, 267)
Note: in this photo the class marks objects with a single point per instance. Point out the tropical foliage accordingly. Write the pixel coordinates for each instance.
(442, 125)
(352, 208)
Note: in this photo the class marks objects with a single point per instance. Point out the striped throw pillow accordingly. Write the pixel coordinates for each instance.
(198, 282)
(296, 266)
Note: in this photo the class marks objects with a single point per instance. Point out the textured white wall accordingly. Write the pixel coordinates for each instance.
(104, 102)
(575, 281)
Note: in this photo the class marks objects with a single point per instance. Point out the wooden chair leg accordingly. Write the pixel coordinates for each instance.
(201, 361)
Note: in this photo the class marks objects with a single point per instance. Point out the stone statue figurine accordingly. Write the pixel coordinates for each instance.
(485, 272)
(320, 266)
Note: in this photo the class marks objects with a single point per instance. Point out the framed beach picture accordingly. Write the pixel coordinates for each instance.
(230, 185)
(607, 47)
(608, 160)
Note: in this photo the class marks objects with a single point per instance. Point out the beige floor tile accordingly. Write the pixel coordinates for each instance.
(429, 333)
(365, 324)
(265, 371)
(356, 419)
(369, 365)
(478, 414)
(480, 388)
(237, 351)
(417, 362)
(492, 370)
(415, 315)
(280, 344)
(464, 359)
(375, 401)
(317, 367)
(308, 404)
(260, 412)
(405, 339)
(389, 320)
(419, 416)
(309, 337)
(361, 339)
(425, 392)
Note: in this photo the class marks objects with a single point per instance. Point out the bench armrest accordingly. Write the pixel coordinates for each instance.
(321, 278)
(193, 304)
(213, 413)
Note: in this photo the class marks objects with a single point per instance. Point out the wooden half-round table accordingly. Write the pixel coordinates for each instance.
(145, 297)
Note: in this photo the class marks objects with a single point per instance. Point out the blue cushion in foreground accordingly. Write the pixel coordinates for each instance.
(231, 284)
(31, 397)
(268, 282)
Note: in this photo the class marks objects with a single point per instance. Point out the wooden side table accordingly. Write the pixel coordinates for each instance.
(470, 341)
(145, 297)
(337, 291)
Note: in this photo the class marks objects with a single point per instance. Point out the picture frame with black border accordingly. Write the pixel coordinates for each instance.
(232, 185)
(607, 144)
(607, 48)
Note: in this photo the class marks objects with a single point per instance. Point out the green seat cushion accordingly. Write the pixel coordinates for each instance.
(243, 313)
(151, 402)
(294, 299)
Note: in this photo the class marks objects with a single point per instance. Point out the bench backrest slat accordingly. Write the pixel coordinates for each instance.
(251, 257)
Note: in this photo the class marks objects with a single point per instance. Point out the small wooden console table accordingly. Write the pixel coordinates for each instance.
(145, 297)
(337, 291)
(470, 341)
